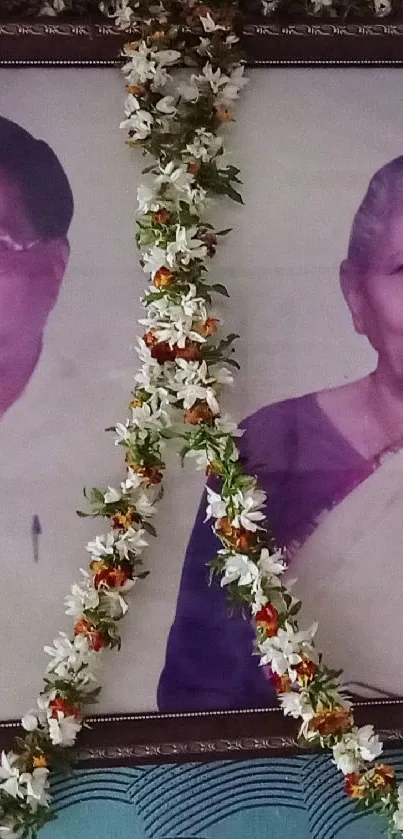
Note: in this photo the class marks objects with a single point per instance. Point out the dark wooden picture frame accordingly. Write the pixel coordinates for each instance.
(133, 739)
(266, 42)
(129, 739)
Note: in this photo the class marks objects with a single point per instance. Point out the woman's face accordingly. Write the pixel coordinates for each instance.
(376, 302)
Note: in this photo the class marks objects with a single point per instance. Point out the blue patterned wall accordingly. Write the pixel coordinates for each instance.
(259, 799)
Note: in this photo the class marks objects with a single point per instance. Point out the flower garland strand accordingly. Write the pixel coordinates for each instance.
(175, 394)
(284, 10)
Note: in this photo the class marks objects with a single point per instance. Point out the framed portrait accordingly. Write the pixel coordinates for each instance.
(314, 264)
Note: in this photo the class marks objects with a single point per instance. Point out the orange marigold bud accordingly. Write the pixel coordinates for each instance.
(39, 762)
(150, 474)
(380, 776)
(237, 537)
(334, 721)
(267, 618)
(200, 412)
(122, 521)
(112, 577)
(135, 89)
(98, 565)
(160, 216)
(224, 114)
(209, 327)
(163, 278)
(352, 785)
(306, 671)
(60, 705)
(83, 626)
(193, 167)
(149, 339)
(282, 684)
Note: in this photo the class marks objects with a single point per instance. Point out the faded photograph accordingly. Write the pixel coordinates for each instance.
(36, 208)
(331, 464)
(314, 267)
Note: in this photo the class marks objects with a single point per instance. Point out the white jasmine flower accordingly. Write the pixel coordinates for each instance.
(148, 200)
(123, 14)
(204, 47)
(345, 757)
(271, 565)
(123, 433)
(368, 742)
(133, 481)
(214, 78)
(185, 247)
(205, 145)
(80, 599)
(112, 496)
(139, 122)
(114, 604)
(10, 775)
(140, 68)
(144, 417)
(239, 567)
(209, 25)
(296, 704)
(63, 730)
(52, 9)
(166, 105)
(227, 426)
(222, 375)
(354, 747)
(144, 506)
(216, 506)
(101, 546)
(167, 57)
(154, 259)
(73, 658)
(29, 721)
(398, 815)
(37, 785)
(131, 541)
(248, 505)
(382, 7)
(230, 90)
(188, 92)
(318, 5)
(283, 651)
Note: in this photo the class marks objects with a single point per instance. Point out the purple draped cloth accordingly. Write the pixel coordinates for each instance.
(305, 466)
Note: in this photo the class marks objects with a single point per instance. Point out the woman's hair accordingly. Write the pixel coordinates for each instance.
(36, 170)
(384, 197)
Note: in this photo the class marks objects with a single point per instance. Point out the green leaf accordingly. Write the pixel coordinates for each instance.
(236, 196)
(220, 289)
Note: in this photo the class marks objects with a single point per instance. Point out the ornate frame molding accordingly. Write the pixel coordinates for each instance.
(132, 739)
(93, 42)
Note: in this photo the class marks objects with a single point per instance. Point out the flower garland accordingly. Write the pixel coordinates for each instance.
(175, 394)
(282, 9)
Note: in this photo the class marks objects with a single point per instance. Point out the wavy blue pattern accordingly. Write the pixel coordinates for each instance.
(260, 799)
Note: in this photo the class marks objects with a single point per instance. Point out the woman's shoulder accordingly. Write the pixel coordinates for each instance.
(275, 432)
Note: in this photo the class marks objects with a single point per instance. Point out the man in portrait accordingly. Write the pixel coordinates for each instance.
(331, 464)
(36, 208)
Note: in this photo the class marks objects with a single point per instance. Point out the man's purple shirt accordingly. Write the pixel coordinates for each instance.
(305, 466)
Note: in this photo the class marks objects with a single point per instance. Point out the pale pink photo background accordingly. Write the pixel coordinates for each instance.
(307, 142)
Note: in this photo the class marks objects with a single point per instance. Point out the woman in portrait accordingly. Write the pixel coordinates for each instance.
(331, 463)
